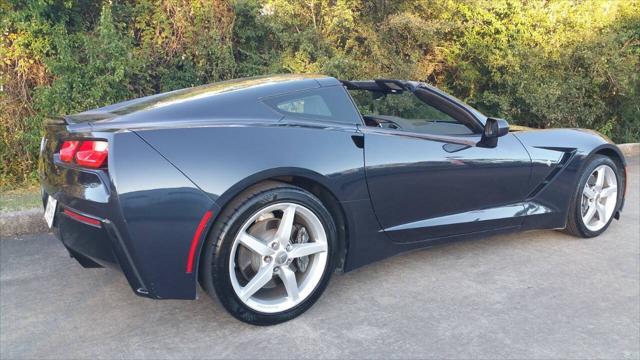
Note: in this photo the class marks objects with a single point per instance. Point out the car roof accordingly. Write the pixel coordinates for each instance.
(232, 99)
(252, 87)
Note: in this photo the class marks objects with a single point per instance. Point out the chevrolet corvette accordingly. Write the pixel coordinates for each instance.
(259, 189)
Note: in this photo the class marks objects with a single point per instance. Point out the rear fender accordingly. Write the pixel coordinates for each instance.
(161, 211)
(225, 160)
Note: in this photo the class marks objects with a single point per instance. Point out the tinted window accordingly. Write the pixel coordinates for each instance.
(405, 111)
(329, 103)
(309, 105)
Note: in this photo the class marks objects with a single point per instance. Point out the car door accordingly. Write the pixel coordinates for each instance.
(426, 186)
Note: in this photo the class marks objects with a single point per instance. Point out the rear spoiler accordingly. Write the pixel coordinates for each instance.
(85, 117)
(55, 121)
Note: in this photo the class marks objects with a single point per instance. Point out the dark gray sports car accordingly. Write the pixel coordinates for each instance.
(260, 188)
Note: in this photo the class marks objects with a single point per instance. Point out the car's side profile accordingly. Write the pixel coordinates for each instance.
(260, 188)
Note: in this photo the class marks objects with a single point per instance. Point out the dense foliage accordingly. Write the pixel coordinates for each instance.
(541, 63)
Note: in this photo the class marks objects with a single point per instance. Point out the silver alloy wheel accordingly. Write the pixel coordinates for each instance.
(599, 198)
(275, 264)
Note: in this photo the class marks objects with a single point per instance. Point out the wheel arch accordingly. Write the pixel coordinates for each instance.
(308, 180)
(607, 149)
(612, 152)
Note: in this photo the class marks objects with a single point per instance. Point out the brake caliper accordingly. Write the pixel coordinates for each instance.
(301, 237)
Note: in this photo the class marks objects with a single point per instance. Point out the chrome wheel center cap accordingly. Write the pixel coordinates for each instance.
(281, 258)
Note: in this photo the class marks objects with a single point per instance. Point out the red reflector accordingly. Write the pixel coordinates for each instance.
(196, 240)
(82, 218)
(92, 153)
(67, 150)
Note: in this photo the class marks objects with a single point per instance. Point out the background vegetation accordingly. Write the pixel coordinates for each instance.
(541, 63)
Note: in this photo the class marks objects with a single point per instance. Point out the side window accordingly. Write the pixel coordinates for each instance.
(308, 105)
(327, 103)
(405, 111)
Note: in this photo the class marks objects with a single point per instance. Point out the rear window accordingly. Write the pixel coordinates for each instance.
(329, 104)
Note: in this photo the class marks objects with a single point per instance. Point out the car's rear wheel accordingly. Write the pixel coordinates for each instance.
(596, 199)
(270, 254)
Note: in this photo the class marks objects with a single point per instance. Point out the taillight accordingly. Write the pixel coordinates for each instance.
(92, 154)
(67, 150)
(88, 153)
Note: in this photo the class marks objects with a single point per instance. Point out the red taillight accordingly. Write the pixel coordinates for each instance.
(88, 153)
(92, 154)
(67, 150)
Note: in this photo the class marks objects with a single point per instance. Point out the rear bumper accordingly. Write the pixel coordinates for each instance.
(89, 244)
(142, 213)
(86, 194)
(95, 242)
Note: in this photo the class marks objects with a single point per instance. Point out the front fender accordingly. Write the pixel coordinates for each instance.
(558, 159)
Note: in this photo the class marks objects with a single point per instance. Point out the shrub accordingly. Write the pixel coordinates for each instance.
(538, 63)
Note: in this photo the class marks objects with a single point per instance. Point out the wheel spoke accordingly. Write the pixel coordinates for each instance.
(600, 179)
(255, 245)
(263, 276)
(588, 192)
(286, 225)
(611, 190)
(610, 177)
(589, 215)
(289, 280)
(602, 212)
(306, 249)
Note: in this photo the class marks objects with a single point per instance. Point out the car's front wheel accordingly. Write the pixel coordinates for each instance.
(596, 199)
(270, 254)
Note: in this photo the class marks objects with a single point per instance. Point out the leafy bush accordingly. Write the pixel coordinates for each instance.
(537, 63)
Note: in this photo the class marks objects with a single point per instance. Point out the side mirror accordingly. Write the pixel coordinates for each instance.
(493, 129)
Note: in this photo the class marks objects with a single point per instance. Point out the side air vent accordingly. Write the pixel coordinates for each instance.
(558, 167)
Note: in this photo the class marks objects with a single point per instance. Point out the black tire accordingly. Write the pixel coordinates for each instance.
(214, 273)
(575, 224)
